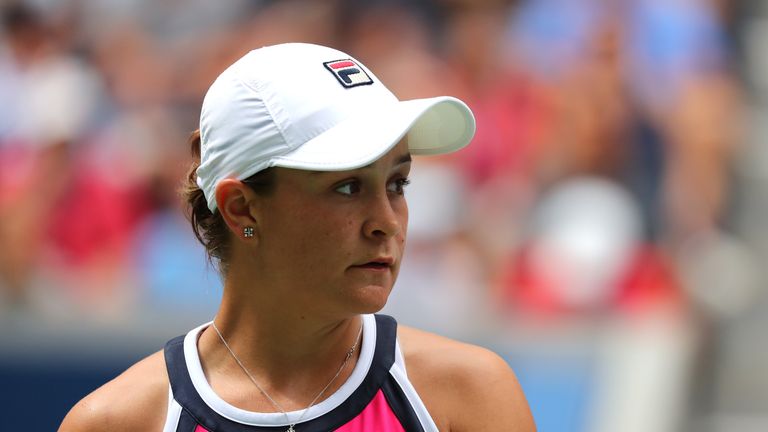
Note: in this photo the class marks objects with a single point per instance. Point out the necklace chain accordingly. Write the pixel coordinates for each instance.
(274, 402)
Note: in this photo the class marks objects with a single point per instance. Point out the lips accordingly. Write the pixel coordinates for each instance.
(375, 265)
(379, 263)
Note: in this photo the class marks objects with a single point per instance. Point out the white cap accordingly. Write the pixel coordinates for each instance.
(314, 108)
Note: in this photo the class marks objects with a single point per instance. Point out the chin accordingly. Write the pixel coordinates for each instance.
(371, 299)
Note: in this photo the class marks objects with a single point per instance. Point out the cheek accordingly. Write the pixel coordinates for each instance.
(327, 231)
(403, 215)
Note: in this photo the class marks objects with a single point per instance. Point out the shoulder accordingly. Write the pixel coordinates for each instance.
(465, 387)
(135, 400)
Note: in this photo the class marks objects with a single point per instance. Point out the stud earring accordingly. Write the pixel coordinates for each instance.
(248, 232)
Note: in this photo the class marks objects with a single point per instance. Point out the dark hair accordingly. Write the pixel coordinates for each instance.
(209, 227)
(18, 16)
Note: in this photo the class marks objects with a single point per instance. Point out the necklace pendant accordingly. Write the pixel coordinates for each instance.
(291, 429)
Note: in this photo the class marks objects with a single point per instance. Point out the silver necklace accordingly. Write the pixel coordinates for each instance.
(274, 402)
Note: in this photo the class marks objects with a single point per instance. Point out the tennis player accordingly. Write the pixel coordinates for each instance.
(299, 199)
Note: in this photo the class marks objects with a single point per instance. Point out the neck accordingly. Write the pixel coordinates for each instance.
(285, 340)
(292, 354)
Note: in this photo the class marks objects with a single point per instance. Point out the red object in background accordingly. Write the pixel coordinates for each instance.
(649, 281)
(510, 117)
(96, 215)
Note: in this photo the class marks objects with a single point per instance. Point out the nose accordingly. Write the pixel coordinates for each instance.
(384, 218)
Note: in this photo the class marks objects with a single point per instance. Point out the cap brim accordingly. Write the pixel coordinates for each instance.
(434, 126)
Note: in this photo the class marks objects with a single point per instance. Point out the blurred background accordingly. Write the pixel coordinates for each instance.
(605, 232)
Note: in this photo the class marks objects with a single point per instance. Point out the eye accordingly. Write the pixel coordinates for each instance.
(398, 186)
(349, 188)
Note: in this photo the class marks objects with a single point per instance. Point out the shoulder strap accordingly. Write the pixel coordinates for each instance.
(386, 341)
(181, 385)
(398, 400)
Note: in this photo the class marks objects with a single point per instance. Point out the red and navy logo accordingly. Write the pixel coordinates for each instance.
(349, 73)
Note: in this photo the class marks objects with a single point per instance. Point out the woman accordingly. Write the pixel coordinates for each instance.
(298, 197)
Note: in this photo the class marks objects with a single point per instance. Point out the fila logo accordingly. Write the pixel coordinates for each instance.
(349, 73)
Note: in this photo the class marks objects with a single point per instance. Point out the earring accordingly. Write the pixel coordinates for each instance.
(248, 232)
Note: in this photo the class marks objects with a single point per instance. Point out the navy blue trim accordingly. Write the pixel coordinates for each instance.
(401, 406)
(378, 375)
(187, 422)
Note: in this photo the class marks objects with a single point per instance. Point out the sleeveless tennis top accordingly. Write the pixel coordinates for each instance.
(377, 396)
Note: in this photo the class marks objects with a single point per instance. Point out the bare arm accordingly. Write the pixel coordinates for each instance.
(490, 396)
(135, 400)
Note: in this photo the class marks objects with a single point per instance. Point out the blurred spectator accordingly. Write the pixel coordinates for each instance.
(49, 97)
(680, 78)
(585, 254)
(646, 81)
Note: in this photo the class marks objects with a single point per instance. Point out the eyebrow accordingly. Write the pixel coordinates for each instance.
(406, 158)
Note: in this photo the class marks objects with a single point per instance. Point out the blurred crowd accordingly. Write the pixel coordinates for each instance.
(600, 185)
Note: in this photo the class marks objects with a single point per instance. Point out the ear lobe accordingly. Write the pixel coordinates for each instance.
(233, 199)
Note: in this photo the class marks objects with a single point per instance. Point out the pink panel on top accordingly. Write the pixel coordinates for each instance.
(377, 416)
(200, 429)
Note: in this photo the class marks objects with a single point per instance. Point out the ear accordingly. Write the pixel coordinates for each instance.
(233, 200)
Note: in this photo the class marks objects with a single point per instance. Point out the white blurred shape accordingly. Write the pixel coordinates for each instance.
(436, 200)
(643, 374)
(720, 273)
(585, 233)
(57, 98)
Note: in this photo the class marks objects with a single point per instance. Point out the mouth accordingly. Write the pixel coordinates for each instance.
(383, 263)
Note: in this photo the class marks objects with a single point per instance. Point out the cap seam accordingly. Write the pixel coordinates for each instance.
(266, 105)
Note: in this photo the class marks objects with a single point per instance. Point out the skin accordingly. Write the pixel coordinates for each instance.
(292, 328)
